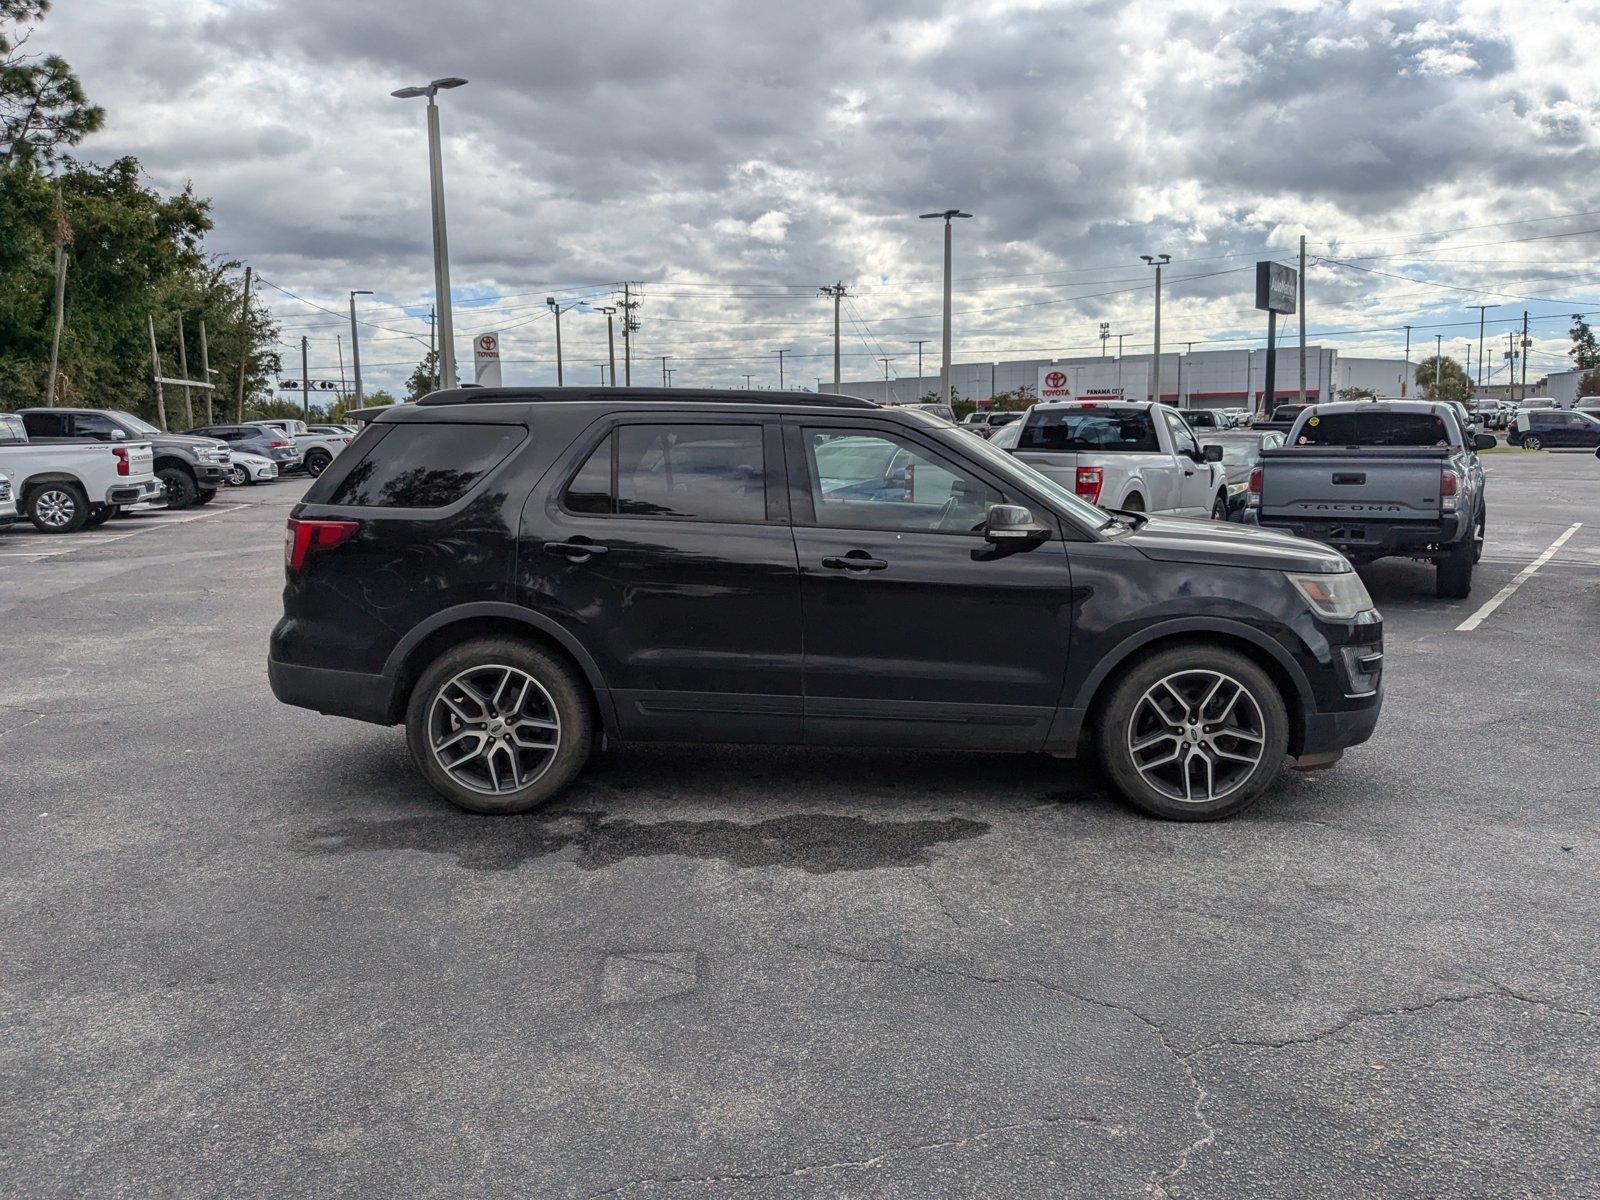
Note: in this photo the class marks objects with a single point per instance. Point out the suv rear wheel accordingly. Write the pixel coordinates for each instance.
(1193, 733)
(499, 725)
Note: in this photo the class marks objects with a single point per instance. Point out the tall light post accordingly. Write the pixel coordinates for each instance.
(355, 343)
(441, 246)
(556, 308)
(1438, 363)
(1157, 261)
(919, 343)
(781, 353)
(1482, 309)
(611, 342)
(946, 216)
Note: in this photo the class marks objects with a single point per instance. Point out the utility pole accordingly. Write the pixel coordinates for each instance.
(155, 370)
(1405, 372)
(183, 369)
(919, 344)
(1302, 307)
(1482, 308)
(244, 347)
(886, 394)
(355, 347)
(1511, 365)
(748, 378)
(611, 342)
(305, 379)
(1438, 364)
(1157, 261)
(556, 308)
(629, 325)
(1527, 342)
(433, 314)
(61, 301)
(338, 340)
(837, 292)
(664, 358)
(947, 216)
(205, 369)
(781, 353)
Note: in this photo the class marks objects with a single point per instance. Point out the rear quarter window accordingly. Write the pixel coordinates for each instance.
(416, 465)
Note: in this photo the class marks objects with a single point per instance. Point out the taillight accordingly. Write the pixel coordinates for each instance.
(1448, 485)
(1090, 481)
(303, 538)
(122, 459)
(277, 445)
(1253, 497)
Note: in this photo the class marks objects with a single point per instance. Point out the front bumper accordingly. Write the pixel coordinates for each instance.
(211, 475)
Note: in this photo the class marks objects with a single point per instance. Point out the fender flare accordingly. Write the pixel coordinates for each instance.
(43, 477)
(515, 612)
(1182, 625)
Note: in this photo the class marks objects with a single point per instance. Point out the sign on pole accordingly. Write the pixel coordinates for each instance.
(486, 359)
(1276, 285)
(1053, 384)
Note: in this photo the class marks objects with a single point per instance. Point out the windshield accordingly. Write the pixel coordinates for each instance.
(1104, 430)
(1068, 503)
(1373, 429)
(133, 422)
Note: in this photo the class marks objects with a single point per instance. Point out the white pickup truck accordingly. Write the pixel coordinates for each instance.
(1120, 454)
(64, 484)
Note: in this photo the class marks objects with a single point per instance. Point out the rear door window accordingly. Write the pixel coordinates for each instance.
(424, 465)
(715, 473)
(1097, 430)
(45, 425)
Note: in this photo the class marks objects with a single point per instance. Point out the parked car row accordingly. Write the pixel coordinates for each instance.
(67, 469)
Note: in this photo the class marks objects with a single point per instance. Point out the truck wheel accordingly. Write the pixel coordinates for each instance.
(99, 514)
(499, 725)
(1452, 579)
(179, 487)
(57, 508)
(1530, 441)
(317, 462)
(1193, 733)
(204, 496)
(1219, 509)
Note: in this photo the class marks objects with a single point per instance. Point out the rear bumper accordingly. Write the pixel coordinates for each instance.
(352, 694)
(1362, 541)
(135, 493)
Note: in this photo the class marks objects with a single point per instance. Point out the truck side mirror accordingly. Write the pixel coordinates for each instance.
(1211, 453)
(1484, 441)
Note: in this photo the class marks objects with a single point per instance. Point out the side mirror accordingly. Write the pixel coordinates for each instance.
(1484, 441)
(1211, 453)
(117, 435)
(1012, 525)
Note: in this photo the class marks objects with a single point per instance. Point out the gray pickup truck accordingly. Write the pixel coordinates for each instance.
(1375, 479)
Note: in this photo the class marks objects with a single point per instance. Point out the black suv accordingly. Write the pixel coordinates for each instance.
(515, 573)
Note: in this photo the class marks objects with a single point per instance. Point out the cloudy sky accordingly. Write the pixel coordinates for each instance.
(730, 157)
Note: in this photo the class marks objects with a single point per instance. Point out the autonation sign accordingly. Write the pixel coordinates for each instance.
(1053, 384)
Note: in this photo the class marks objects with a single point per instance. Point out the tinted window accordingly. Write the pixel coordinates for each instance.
(93, 425)
(878, 481)
(1373, 429)
(707, 472)
(45, 424)
(1099, 429)
(425, 466)
(590, 490)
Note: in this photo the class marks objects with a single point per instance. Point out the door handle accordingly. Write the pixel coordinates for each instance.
(852, 563)
(576, 551)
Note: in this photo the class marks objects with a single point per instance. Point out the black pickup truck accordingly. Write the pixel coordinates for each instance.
(1375, 479)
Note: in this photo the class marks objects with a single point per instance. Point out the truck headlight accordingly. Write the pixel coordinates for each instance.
(1336, 597)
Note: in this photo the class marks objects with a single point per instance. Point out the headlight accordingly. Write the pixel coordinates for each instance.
(1336, 597)
(1235, 488)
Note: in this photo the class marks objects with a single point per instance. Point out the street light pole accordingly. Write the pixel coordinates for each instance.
(355, 344)
(441, 248)
(919, 345)
(1482, 309)
(781, 353)
(664, 380)
(556, 308)
(611, 343)
(946, 216)
(1157, 261)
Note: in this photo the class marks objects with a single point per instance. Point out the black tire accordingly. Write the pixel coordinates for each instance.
(1452, 578)
(1124, 715)
(1530, 441)
(1219, 510)
(204, 496)
(57, 508)
(99, 514)
(179, 485)
(561, 695)
(317, 462)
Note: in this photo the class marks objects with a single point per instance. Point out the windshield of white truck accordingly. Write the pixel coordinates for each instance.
(1098, 430)
(1373, 429)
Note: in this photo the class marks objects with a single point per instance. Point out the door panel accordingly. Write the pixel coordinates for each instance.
(919, 633)
(694, 623)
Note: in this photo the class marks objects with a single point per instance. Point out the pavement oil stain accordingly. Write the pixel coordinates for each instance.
(819, 843)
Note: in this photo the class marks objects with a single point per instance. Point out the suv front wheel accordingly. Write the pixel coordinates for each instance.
(499, 725)
(1193, 733)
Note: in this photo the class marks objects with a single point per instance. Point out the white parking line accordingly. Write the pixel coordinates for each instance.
(80, 541)
(1522, 577)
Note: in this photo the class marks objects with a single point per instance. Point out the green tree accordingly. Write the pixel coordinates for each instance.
(1585, 350)
(1453, 383)
(425, 378)
(1357, 393)
(43, 108)
(1589, 382)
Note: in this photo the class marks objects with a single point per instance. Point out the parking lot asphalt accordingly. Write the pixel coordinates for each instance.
(247, 952)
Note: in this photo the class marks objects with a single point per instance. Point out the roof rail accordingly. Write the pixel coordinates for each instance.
(678, 395)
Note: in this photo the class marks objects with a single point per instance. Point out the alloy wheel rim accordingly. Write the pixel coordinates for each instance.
(1197, 736)
(494, 729)
(56, 508)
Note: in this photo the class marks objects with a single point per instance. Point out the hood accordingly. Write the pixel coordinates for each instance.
(1223, 543)
(185, 439)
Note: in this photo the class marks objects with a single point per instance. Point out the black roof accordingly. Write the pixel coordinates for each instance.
(648, 395)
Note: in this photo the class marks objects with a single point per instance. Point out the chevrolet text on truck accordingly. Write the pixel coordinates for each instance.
(1380, 478)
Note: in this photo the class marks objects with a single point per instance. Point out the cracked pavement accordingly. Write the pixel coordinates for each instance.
(246, 952)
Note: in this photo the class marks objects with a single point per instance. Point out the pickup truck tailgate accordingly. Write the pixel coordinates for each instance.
(141, 461)
(1375, 485)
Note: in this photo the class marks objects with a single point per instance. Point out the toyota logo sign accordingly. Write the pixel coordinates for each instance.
(1055, 379)
(487, 343)
(1053, 385)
